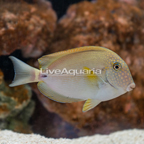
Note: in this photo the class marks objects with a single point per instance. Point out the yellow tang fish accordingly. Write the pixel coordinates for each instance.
(90, 73)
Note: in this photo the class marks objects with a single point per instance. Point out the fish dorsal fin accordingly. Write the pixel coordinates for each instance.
(89, 104)
(44, 89)
(46, 60)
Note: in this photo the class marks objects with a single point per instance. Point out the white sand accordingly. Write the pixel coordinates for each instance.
(123, 137)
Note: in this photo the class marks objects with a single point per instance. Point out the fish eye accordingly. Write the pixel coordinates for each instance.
(116, 66)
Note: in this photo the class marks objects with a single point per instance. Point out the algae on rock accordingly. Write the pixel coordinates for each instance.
(16, 107)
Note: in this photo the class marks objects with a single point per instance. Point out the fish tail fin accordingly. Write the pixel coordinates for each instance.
(23, 73)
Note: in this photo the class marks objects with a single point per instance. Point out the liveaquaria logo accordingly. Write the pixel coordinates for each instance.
(73, 72)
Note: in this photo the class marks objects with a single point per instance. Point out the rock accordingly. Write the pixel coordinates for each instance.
(119, 27)
(122, 137)
(99, 23)
(141, 4)
(26, 27)
(16, 107)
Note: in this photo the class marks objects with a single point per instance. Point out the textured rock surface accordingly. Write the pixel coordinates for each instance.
(113, 25)
(15, 107)
(123, 137)
(26, 27)
(119, 27)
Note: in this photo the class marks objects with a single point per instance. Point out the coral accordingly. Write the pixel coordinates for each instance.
(15, 107)
(26, 27)
(119, 27)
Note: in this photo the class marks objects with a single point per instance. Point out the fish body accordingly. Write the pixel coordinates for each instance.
(93, 73)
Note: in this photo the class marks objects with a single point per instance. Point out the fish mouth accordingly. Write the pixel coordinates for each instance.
(131, 87)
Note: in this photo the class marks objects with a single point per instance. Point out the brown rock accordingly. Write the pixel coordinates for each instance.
(26, 27)
(141, 4)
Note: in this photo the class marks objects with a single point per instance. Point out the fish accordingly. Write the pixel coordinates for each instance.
(92, 74)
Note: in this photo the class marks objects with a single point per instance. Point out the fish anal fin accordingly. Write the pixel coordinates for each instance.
(44, 89)
(89, 104)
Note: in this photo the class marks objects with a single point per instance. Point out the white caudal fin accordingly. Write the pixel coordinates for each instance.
(23, 73)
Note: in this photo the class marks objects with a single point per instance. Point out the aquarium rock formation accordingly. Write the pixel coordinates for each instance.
(16, 107)
(26, 27)
(123, 137)
(119, 27)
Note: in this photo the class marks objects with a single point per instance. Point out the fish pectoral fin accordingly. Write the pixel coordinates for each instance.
(92, 77)
(90, 74)
(47, 91)
(89, 104)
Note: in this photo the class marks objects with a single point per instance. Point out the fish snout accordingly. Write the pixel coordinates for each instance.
(131, 87)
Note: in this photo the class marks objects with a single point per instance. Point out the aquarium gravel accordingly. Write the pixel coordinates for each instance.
(134, 136)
